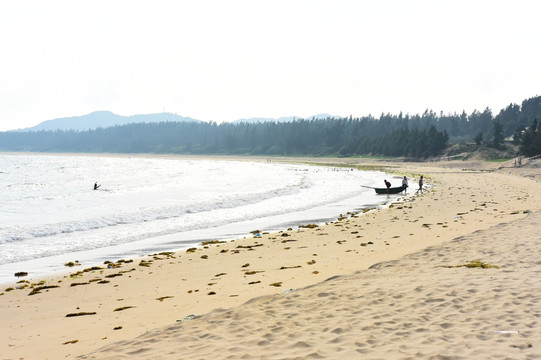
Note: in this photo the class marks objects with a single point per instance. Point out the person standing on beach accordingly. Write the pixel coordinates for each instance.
(420, 185)
(96, 186)
(405, 183)
(388, 184)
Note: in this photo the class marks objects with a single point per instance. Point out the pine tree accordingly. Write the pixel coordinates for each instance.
(478, 139)
(531, 140)
(497, 140)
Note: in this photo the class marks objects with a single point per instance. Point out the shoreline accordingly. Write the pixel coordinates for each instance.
(228, 275)
(52, 265)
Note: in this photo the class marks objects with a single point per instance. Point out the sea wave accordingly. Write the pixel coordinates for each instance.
(53, 212)
(21, 233)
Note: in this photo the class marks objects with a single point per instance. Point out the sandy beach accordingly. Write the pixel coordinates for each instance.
(395, 283)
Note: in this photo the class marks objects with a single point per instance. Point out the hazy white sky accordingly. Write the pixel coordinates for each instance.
(224, 60)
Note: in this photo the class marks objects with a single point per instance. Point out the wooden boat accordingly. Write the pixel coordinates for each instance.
(392, 190)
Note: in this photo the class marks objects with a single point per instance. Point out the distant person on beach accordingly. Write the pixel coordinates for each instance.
(405, 183)
(388, 184)
(96, 186)
(420, 185)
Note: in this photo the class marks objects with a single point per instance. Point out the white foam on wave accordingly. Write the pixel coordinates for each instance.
(19, 233)
(54, 212)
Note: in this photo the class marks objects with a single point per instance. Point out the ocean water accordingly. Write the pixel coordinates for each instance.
(50, 214)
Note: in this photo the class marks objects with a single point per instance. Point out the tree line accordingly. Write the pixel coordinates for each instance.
(345, 137)
(414, 136)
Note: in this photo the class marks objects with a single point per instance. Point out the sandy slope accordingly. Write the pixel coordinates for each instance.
(414, 307)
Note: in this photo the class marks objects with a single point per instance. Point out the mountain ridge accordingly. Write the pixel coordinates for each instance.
(103, 119)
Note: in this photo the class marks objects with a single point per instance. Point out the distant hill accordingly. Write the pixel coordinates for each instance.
(282, 119)
(105, 119)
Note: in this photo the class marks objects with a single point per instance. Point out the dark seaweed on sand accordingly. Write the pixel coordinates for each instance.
(81, 314)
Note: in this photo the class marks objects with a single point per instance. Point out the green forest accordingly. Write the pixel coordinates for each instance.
(413, 136)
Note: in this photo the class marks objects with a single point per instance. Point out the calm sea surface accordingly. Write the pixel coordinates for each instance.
(49, 213)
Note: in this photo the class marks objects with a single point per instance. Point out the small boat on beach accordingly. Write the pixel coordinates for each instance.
(392, 190)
